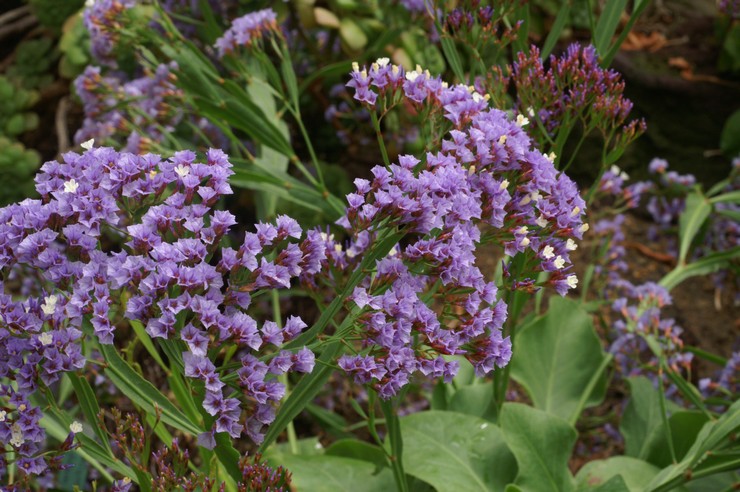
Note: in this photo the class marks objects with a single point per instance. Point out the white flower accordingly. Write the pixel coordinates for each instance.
(393, 251)
(75, 427)
(355, 67)
(89, 3)
(525, 200)
(571, 245)
(548, 252)
(71, 186)
(338, 248)
(477, 97)
(3, 413)
(383, 61)
(524, 242)
(411, 76)
(522, 230)
(584, 227)
(46, 338)
(88, 145)
(550, 157)
(502, 139)
(49, 305)
(522, 120)
(572, 281)
(541, 221)
(576, 211)
(530, 112)
(16, 438)
(326, 237)
(182, 171)
(559, 262)
(504, 184)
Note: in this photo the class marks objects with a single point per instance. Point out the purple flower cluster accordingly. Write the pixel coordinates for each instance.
(140, 110)
(246, 30)
(428, 298)
(103, 21)
(730, 8)
(640, 311)
(458, 103)
(162, 276)
(727, 384)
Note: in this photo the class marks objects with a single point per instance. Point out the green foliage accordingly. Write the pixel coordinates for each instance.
(33, 62)
(569, 373)
(453, 451)
(17, 167)
(53, 13)
(74, 46)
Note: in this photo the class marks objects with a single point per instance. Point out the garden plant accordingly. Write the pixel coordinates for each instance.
(341, 245)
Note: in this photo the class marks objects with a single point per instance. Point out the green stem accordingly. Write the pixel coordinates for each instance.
(379, 136)
(283, 378)
(314, 160)
(396, 444)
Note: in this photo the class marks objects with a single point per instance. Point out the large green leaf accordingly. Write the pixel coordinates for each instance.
(326, 473)
(635, 473)
(455, 452)
(642, 424)
(559, 361)
(542, 444)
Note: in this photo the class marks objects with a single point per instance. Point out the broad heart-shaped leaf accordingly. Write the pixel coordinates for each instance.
(454, 452)
(542, 444)
(326, 473)
(635, 473)
(559, 361)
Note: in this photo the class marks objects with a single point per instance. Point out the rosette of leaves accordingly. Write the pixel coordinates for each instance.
(33, 62)
(17, 166)
(53, 13)
(74, 46)
(14, 103)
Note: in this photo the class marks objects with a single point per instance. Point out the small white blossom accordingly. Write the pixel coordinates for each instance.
(383, 61)
(411, 76)
(548, 252)
(75, 427)
(338, 248)
(393, 251)
(530, 112)
(46, 338)
(522, 120)
(3, 413)
(525, 200)
(355, 67)
(524, 242)
(576, 211)
(49, 305)
(571, 245)
(326, 237)
(16, 438)
(71, 186)
(88, 145)
(522, 230)
(502, 139)
(584, 227)
(477, 97)
(504, 184)
(181, 170)
(541, 221)
(559, 262)
(550, 157)
(572, 281)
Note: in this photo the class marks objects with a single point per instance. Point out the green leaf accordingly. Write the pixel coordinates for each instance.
(729, 140)
(706, 265)
(352, 34)
(559, 360)
(455, 452)
(642, 424)
(90, 408)
(607, 25)
(142, 392)
(731, 196)
(557, 28)
(635, 473)
(394, 441)
(542, 444)
(453, 58)
(359, 450)
(326, 473)
(691, 219)
(474, 400)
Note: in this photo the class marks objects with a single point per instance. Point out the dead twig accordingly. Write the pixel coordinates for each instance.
(653, 255)
(18, 26)
(60, 123)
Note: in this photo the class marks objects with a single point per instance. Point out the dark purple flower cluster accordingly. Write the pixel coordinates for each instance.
(730, 8)
(103, 21)
(246, 30)
(640, 311)
(141, 110)
(574, 88)
(428, 298)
